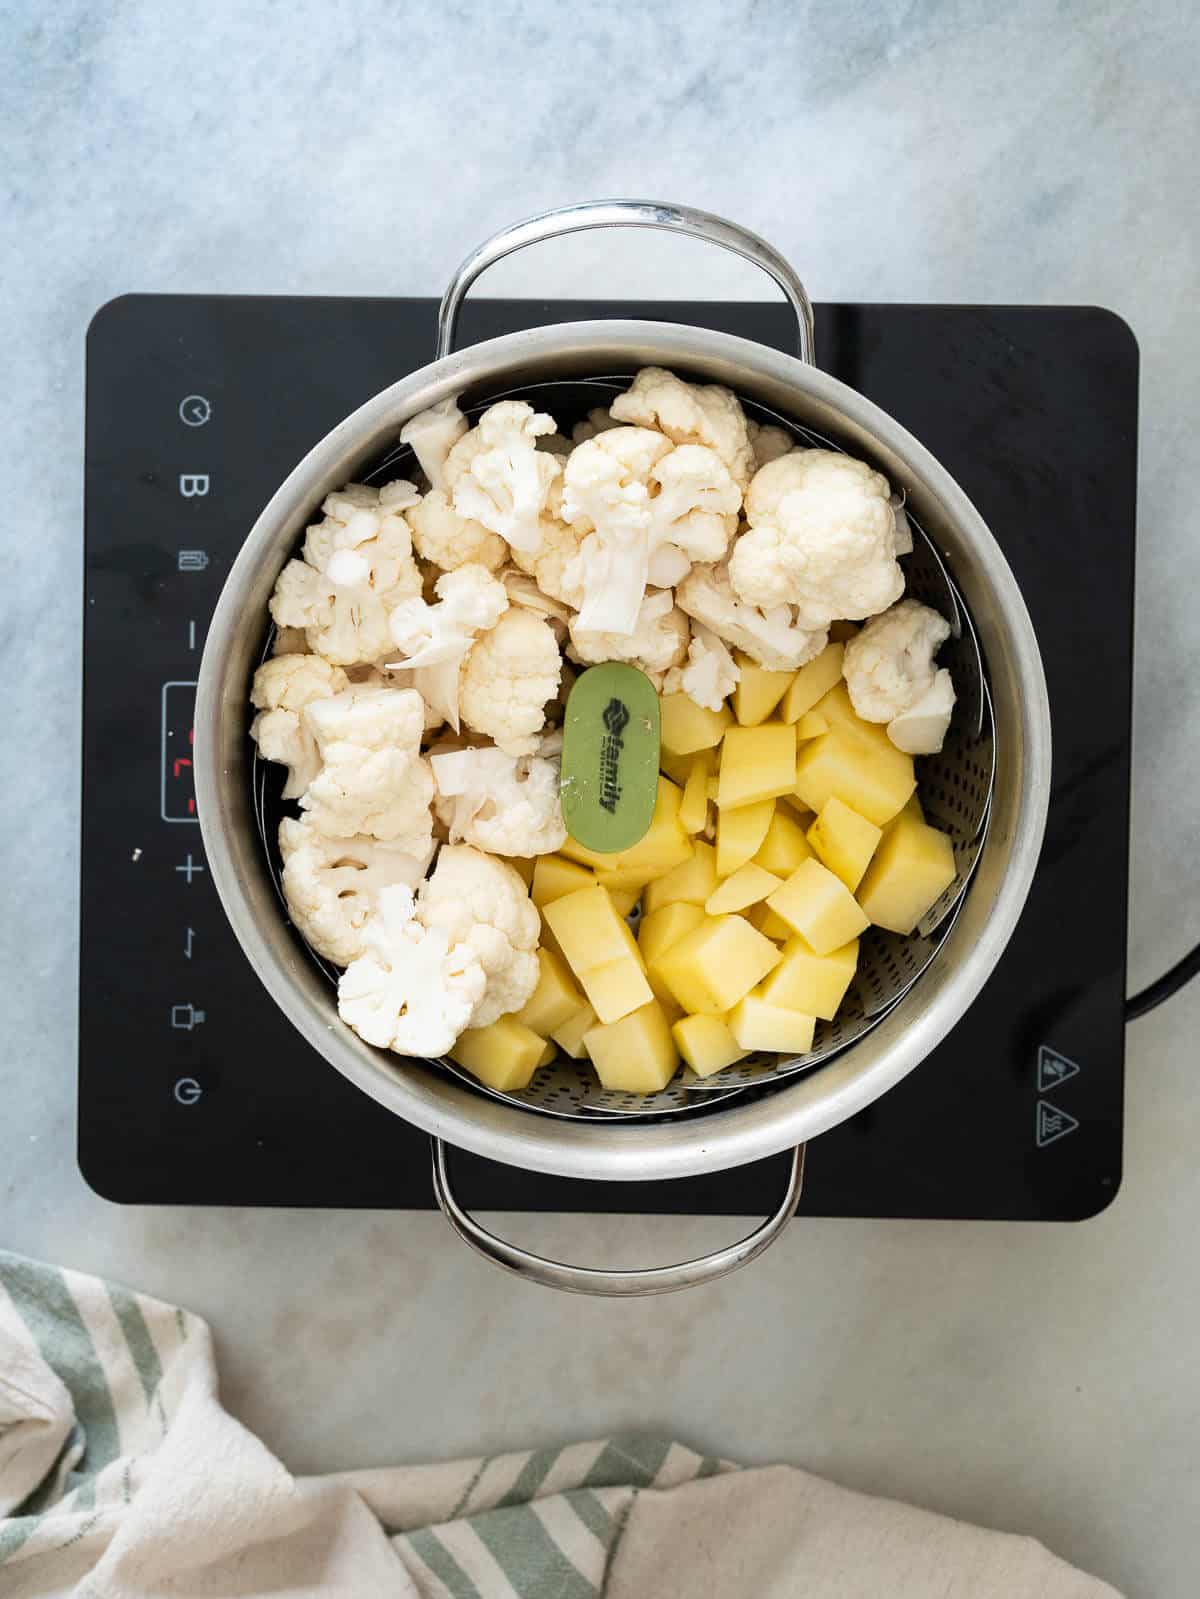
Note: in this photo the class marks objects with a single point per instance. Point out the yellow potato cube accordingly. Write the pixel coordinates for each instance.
(770, 924)
(747, 886)
(757, 1024)
(740, 835)
(549, 1053)
(812, 983)
(873, 782)
(757, 763)
(659, 929)
(844, 841)
(819, 906)
(687, 727)
(706, 1043)
(624, 899)
(635, 1055)
(587, 927)
(913, 808)
(713, 966)
(569, 1037)
(555, 997)
(800, 810)
(616, 988)
(912, 866)
(553, 877)
(504, 1055)
(546, 938)
(693, 881)
(758, 691)
(837, 708)
(711, 786)
(811, 725)
(784, 847)
(811, 682)
(693, 809)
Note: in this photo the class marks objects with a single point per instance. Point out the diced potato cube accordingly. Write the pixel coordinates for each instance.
(622, 880)
(758, 691)
(504, 1055)
(635, 1055)
(818, 906)
(811, 725)
(800, 810)
(547, 939)
(616, 988)
(757, 1024)
(811, 682)
(660, 929)
(844, 841)
(624, 899)
(770, 923)
(687, 727)
(553, 877)
(747, 886)
(711, 787)
(913, 808)
(693, 881)
(757, 763)
(806, 981)
(676, 767)
(555, 997)
(693, 809)
(740, 835)
(523, 866)
(706, 1043)
(713, 966)
(569, 1037)
(588, 929)
(549, 1053)
(874, 783)
(837, 708)
(912, 866)
(784, 847)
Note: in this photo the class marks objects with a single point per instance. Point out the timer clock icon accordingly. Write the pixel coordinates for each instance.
(195, 410)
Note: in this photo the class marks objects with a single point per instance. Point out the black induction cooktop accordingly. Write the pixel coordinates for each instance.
(193, 1088)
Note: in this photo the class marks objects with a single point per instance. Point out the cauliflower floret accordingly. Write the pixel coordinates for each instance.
(891, 676)
(768, 442)
(509, 675)
(690, 413)
(498, 476)
(332, 885)
(822, 538)
(710, 675)
(409, 991)
(484, 911)
(383, 676)
(772, 638)
(432, 434)
(448, 540)
(373, 779)
(694, 514)
(658, 642)
(555, 565)
(435, 639)
(525, 590)
(607, 499)
(282, 687)
(598, 420)
(357, 565)
(503, 804)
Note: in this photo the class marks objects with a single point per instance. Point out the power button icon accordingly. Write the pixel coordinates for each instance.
(195, 410)
(187, 1091)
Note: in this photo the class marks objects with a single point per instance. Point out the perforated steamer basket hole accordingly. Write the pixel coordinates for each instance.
(954, 788)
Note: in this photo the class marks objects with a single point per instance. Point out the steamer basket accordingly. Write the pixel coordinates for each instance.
(988, 789)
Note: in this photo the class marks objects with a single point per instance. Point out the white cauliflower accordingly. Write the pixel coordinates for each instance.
(607, 499)
(503, 804)
(904, 538)
(382, 676)
(657, 643)
(598, 420)
(822, 537)
(768, 442)
(440, 535)
(498, 476)
(509, 675)
(694, 514)
(282, 687)
(432, 434)
(525, 590)
(435, 639)
(555, 565)
(409, 991)
(484, 911)
(690, 413)
(772, 638)
(373, 779)
(710, 675)
(357, 565)
(332, 885)
(891, 676)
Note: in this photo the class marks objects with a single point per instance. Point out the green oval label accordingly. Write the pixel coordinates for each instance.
(610, 757)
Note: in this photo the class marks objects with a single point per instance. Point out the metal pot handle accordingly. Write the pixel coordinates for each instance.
(614, 1284)
(627, 214)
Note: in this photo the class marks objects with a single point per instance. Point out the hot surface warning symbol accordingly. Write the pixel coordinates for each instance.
(1052, 1124)
(1053, 1069)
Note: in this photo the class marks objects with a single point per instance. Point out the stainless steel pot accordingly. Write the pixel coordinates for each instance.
(734, 1132)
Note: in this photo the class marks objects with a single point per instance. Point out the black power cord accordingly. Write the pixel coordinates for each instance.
(1169, 983)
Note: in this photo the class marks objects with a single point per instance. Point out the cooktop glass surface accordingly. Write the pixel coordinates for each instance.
(194, 1089)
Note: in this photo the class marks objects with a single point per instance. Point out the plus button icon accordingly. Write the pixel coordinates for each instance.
(189, 869)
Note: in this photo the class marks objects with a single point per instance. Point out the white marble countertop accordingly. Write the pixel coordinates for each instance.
(1035, 1378)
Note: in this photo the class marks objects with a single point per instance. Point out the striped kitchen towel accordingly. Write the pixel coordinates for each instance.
(121, 1477)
